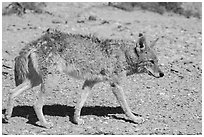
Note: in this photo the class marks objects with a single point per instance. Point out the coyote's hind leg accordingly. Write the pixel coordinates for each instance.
(87, 86)
(14, 93)
(118, 92)
(39, 106)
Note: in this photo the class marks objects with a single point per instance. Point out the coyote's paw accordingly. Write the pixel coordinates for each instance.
(78, 121)
(138, 120)
(47, 125)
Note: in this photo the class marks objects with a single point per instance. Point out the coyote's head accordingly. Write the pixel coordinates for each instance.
(145, 60)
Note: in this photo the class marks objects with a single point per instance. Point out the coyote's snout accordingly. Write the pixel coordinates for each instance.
(82, 57)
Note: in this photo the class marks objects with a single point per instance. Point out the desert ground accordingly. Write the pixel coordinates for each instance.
(171, 105)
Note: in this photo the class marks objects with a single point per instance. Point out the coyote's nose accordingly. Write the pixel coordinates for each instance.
(161, 74)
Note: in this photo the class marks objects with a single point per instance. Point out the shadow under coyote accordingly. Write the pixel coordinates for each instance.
(63, 111)
(83, 57)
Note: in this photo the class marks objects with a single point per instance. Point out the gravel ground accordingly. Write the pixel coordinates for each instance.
(170, 105)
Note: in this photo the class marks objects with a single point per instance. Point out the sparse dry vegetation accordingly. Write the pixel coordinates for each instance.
(21, 8)
(188, 9)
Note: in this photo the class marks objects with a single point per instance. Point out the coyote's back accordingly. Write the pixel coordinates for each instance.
(84, 57)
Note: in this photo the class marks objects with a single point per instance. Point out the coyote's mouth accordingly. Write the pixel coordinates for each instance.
(150, 73)
(144, 67)
(156, 75)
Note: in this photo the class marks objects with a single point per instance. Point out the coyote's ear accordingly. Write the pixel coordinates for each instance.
(153, 43)
(141, 43)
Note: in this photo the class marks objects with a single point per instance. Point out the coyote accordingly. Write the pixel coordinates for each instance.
(83, 57)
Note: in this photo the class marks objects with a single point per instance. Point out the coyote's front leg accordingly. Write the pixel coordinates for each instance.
(118, 92)
(79, 105)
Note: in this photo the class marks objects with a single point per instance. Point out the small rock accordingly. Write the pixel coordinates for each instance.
(80, 21)
(105, 22)
(92, 18)
(56, 21)
(105, 122)
(91, 119)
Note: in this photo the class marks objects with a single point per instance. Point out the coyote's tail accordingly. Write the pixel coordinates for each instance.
(21, 69)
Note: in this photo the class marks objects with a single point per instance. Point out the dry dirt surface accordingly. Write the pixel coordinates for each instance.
(170, 105)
